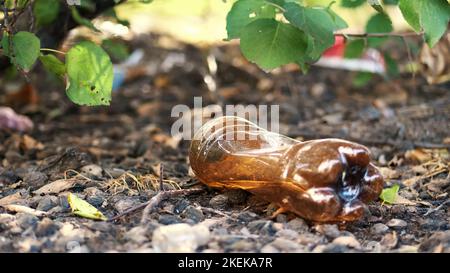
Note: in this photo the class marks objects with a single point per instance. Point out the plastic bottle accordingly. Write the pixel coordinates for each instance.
(322, 180)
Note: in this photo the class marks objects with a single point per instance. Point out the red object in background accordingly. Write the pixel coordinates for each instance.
(338, 49)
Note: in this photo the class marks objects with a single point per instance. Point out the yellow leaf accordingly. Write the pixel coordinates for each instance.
(84, 209)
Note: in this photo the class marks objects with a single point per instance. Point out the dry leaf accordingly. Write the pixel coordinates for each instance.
(24, 209)
(60, 185)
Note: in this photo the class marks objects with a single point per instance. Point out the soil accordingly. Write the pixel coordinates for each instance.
(111, 157)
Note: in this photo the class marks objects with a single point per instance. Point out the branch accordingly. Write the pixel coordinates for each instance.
(367, 35)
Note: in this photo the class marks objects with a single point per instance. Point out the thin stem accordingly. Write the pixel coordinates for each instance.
(53, 50)
(275, 5)
(366, 35)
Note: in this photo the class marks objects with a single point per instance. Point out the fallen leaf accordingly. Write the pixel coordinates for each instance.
(60, 185)
(84, 209)
(24, 209)
(389, 195)
(388, 173)
(400, 200)
(28, 143)
(418, 155)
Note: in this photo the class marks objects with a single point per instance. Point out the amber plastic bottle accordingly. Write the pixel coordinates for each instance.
(321, 180)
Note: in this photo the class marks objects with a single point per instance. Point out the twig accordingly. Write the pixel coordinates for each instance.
(387, 34)
(154, 202)
(161, 170)
(430, 210)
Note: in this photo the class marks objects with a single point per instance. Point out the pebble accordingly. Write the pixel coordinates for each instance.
(269, 248)
(180, 206)
(285, 245)
(137, 235)
(92, 170)
(219, 201)
(46, 227)
(331, 248)
(35, 180)
(247, 216)
(298, 224)
(25, 220)
(95, 196)
(348, 241)
(262, 227)
(180, 238)
(124, 204)
(47, 203)
(241, 245)
(236, 197)
(396, 223)
(389, 241)
(379, 228)
(168, 219)
(331, 231)
(287, 234)
(193, 213)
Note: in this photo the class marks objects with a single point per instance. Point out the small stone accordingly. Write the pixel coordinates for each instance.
(379, 228)
(236, 197)
(136, 235)
(331, 231)
(348, 241)
(262, 227)
(281, 218)
(168, 219)
(285, 245)
(241, 245)
(47, 203)
(373, 246)
(92, 170)
(269, 248)
(180, 238)
(288, 234)
(389, 241)
(331, 248)
(298, 224)
(124, 204)
(219, 201)
(247, 216)
(35, 180)
(46, 227)
(193, 213)
(95, 200)
(26, 220)
(396, 223)
(439, 242)
(180, 206)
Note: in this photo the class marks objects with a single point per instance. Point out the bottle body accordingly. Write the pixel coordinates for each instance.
(321, 180)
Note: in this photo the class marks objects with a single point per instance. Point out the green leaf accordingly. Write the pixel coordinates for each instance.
(354, 49)
(20, 3)
(378, 23)
(391, 65)
(390, 2)
(270, 43)
(431, 16)
(81, 20)
(53, 64)
(376, 5)
(90, 74)
(26, 49)
(316, 22)
(116, 49)
(362, 78)
(352, 3)
(84, 209)
(244, 12)
(46, 11)
(339, 23)
(410, 11)
(389, 195)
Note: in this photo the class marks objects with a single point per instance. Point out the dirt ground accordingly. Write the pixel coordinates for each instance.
(111, 157)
